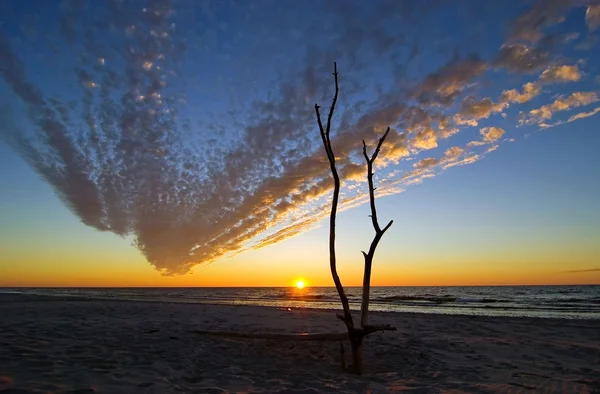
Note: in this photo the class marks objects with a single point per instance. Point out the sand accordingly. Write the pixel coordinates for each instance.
(50, 345)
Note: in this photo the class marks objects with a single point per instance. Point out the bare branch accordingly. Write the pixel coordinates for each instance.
(369, 328)
(372, 189)
(326, 139)
(332, 108)
(378, 231)
(383, 137)
(284, 337)
(386, 227)
(356, 335)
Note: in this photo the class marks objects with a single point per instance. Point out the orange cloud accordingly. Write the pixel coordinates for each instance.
(491, 134)
(473, 109)
(425, 139)
(530, 90)
(562, 103)
(561, 74)
(582, 115)
(467, 160)
(426, 163)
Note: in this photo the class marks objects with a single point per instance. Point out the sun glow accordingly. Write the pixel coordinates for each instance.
(300, 284)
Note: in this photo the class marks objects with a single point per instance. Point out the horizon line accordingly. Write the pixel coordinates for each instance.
(289, 286)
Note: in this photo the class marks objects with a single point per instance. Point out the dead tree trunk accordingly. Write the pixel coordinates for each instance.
(355, 335)
(325, 137)
(364, 308)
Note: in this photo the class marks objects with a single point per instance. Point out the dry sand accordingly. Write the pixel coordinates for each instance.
(50, 345)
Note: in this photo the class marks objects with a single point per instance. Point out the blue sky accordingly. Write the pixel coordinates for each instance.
(187, 131)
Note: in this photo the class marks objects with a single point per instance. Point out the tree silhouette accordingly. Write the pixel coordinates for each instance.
(356, 334)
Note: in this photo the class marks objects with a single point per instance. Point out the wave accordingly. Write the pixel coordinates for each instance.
(301, 297)
(436, 299)
(456, 300)
(576, 300)
(428, 298)
(10, 291)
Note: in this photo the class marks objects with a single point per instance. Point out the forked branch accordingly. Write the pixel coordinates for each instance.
(378, 231)
(356, 335)
(370, 161)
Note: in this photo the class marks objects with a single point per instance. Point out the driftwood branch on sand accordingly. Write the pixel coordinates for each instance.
(369, 329)
(283, 337)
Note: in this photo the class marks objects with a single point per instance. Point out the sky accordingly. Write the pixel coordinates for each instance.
(174, 143)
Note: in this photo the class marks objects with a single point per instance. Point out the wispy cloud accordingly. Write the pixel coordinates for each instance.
(582, 115)
(563, 103)
(581, 271)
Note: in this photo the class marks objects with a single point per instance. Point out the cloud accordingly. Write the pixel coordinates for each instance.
(425, 139)
(580, 271)
(582, 115)
(446, 84)
(492, 148)
(467, 160)
(572, 118)
(453, 152)
(529, 26)
(574, 100)
(592, 16)
(530, 90)
(473, 109)
(426, 163)
(521, 58)
(129, 147)
(133, 171)
(561, 74)
(529, 45)
(489, 135)
(562, 103)
(476, 143)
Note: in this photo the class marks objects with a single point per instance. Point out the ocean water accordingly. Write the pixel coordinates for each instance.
(571, 302)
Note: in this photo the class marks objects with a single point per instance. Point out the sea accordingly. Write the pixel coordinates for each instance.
(567, 302)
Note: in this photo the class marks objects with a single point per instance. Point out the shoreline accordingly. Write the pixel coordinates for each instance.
(19, 297)
(116, 346)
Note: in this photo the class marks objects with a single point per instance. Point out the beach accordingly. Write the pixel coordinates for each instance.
(78, 345)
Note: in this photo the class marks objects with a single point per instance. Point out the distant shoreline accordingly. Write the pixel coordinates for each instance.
(7, 298)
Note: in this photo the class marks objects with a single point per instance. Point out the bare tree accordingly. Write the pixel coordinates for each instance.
(356, 334)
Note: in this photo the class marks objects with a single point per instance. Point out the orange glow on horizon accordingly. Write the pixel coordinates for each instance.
(263, 268)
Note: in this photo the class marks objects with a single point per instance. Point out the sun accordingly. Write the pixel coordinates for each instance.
(300, 284)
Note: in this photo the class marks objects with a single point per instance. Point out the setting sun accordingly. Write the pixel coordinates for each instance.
(300, 284)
